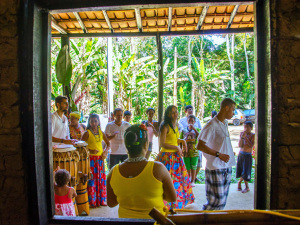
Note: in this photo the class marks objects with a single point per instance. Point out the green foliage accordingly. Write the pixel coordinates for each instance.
(135, 74)
(64, 66)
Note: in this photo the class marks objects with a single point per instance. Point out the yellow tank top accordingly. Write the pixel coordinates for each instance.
(138, 195)
(171, 139)
(95, 142)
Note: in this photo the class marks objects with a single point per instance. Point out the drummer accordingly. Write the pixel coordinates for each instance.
(60, 126)
(76, 129)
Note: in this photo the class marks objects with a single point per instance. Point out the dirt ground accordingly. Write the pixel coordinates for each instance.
(236, 199)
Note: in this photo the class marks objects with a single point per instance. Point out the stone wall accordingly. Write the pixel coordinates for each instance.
(286, 80)
(13, 200)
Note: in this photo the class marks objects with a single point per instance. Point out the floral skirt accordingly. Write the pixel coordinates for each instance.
(97, 183)
(181, 181)
(66, 209)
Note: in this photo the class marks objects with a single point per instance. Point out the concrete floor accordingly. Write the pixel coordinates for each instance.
(235, 200)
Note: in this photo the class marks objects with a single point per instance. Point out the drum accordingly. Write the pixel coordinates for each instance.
(75, 204)
(84, 162)
(67, 157)
(82, 199)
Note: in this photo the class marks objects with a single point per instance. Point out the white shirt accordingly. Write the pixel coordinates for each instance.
(60, 126)
(117, 144)
(184, 123)
(216, 136)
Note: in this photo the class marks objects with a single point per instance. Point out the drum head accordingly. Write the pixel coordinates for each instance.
(80, 144)
(62, 147)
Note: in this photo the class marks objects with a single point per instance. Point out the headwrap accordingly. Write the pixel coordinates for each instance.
(75, 114)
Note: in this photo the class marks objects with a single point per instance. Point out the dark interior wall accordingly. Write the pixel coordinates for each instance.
(13, 203)
(285, 56)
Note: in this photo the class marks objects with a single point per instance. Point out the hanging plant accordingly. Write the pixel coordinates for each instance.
(63, 66)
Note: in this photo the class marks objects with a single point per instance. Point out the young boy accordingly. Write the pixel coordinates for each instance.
(127, 116)
(244, 161)
(190, 156)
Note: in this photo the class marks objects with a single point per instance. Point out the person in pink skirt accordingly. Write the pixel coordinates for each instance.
(63, 194)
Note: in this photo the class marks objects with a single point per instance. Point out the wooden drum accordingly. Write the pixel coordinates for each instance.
(84, 162)
(67, 157)
(82, 199)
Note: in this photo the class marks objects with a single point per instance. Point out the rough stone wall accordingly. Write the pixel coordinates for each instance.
(13, 200)
(286, 75)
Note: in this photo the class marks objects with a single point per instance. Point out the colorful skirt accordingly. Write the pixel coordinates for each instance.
(180, 177)
(97, 183)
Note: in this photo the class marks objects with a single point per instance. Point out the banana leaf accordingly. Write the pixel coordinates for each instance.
(63, 66)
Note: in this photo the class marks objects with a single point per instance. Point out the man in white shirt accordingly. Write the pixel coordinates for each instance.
(214, 141)
(115, 133)
(60, 125)
(183, 123)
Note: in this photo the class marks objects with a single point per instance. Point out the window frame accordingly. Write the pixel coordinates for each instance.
(34, 67)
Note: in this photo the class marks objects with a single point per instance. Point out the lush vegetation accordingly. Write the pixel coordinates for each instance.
(206, 72)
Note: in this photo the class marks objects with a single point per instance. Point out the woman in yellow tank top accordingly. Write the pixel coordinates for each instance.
(136, 184)
(170, 155)
(97, 184)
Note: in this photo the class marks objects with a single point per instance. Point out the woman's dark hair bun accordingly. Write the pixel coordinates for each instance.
(135, 137)
(130, 137)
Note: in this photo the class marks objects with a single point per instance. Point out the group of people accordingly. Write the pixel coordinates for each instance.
(137, 184)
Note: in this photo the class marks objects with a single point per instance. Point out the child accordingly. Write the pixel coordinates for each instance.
(97, 184)
(64, 205)
(127, 116)
(152, 128)
(190, 157)
(244, 161)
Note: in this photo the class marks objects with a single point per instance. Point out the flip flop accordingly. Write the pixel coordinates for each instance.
(239, 189)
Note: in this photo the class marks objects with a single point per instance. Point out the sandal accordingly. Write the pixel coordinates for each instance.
(245, 190)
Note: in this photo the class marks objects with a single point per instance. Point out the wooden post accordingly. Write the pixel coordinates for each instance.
(66, 41)
(266, 136)
(175, 78)
(160, 79)
(110, 76)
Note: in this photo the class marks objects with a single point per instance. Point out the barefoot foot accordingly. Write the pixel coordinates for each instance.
(239, 186)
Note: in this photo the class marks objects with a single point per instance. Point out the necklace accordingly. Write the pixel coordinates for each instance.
(136, 159)
(96, 135)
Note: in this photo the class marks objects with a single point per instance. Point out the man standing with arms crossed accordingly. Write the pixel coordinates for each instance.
(214, 142)
(115, 131)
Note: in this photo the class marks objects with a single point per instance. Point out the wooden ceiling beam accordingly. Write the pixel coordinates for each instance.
(138, 19)
(107, 21)
(164, 33)
(57, 27)
(170, 18)
(76, 14)
(94, 29)
(236, 7)
(202, 17)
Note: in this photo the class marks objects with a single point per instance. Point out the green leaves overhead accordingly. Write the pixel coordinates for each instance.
(64, 66)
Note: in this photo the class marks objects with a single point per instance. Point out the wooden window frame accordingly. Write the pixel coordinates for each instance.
(34, 67)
